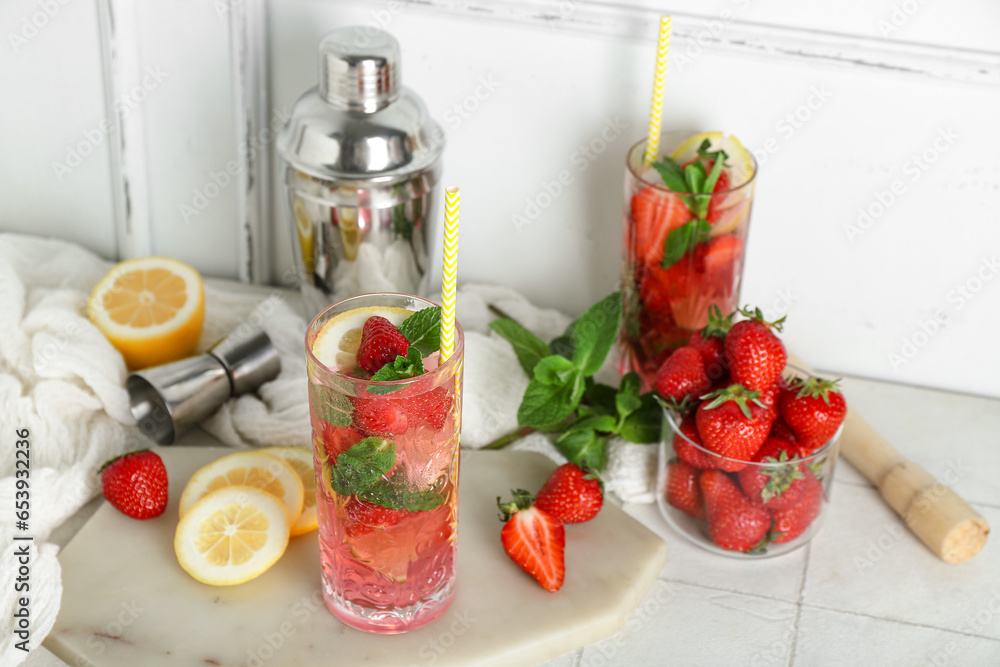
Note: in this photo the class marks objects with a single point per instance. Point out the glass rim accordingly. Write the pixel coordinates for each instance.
(442, 367)
(629, 162)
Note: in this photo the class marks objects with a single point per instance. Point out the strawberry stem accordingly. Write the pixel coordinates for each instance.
(522, 501)
(756, 314)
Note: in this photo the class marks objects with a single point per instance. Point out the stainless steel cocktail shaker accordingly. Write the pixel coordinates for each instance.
(361, 169)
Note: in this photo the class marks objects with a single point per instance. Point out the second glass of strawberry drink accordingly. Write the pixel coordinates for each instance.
(386, 435)
(685, 224)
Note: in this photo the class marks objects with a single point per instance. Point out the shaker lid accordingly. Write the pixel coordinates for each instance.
(359, 122)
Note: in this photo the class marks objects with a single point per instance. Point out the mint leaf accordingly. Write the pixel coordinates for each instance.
(362, 465)
(528, 347)
(563, 346)
(330, 405)
(423, 330)
(548, 404)
(402, 368)
(671, 174)
(682, 239)
(584, 448)
(396, 494)
(626, 404)
(554, 370)
(604, 423)
(595, 332)
(713, 176)
(645, 424)
(600, 397)
(630, 384)
(695, 176)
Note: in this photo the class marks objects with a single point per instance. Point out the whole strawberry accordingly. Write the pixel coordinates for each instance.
(783, 483)
(814, 409)
(792, 522)
(755, 355)
(571, 495)
(710, 342)
(687, 452)
(534, 540)
(136, 484)
(381, 343)
(734, 523)
(733, 423)
(682, 375)
(682, 489)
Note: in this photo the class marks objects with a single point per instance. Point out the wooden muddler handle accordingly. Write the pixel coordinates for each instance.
(949, 527)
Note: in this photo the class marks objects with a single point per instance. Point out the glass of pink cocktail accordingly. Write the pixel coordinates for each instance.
(386, 455)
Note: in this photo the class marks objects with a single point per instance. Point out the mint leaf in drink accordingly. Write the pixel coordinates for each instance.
(528, 347)
(584, 448)
(595, 332)
(645, 424)
(671, 173)
(423, 330)
(548, 404)
(682, 239)
(402, 368)
(395, 493)
(362, 465)
(330, 405)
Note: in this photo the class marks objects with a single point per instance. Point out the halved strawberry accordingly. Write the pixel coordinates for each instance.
(381, 343)
(655, 213)
(364, 518)
(534, 540)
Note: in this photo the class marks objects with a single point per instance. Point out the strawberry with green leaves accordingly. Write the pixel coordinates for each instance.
(792, 522)
(381, 343)
(571, 495)
(756, 357)
(814, 409)
(734, 523)
(780, 484)
(136, 484)
(682, 489)
(534, 540)
(733, 423)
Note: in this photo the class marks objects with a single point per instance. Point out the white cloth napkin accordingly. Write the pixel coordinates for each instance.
(63, 381)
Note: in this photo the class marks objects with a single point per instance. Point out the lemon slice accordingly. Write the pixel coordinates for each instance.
(151, 309)
(232, 535)
(301, 460)
(303, 226)
(336, 345)
(688, 150)
(261, 471)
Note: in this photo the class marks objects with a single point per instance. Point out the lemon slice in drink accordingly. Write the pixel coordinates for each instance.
(301, 460)
(261, 471)
(232, 535)
(336, 345)
(688, 150)
(739, 163)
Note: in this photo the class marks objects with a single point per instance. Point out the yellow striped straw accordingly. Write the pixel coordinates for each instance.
(656, 107)
(449, 276)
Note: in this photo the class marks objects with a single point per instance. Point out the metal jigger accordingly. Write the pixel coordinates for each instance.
(167, 400)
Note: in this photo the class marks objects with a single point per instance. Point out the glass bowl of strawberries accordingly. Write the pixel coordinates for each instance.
(746, 461)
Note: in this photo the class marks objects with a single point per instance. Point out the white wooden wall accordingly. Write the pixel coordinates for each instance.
(885, 107)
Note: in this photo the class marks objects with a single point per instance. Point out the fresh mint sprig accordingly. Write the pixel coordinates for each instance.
(422, 330)
(697, 181)
(563, 398)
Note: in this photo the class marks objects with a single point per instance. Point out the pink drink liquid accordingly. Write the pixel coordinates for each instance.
(391, 570)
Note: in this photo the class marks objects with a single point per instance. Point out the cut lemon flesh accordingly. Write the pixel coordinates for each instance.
(151, 309)
(688, 150)
(232, 535)
(255, 469)
(301, 460)
(336, 345)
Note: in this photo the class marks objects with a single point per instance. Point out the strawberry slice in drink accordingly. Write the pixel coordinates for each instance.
(655, 212)
(709, 279)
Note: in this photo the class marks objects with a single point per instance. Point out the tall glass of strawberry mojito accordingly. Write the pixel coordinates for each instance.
(686, 219)
(386, 420)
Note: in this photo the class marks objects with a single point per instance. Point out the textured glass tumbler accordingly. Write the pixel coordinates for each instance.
(386, 456)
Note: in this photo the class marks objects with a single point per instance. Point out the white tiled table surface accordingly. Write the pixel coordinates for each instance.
(863, 592)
